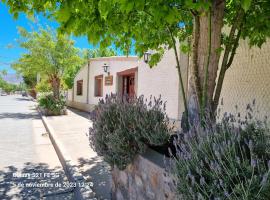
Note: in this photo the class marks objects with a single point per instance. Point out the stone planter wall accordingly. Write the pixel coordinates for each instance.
(48, 112)
(146, 178)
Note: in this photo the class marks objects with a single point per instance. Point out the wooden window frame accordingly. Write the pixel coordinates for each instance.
(98, 90)
(79, 91)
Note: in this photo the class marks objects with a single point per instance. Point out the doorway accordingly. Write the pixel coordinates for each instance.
(127, 82)
(128, 86)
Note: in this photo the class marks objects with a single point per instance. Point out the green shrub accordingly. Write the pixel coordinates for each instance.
(224, 162)
(52, 105)
(43, 86)
(122, 129)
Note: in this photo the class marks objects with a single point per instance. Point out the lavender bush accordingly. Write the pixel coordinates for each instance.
(123, 128)
(224, 161)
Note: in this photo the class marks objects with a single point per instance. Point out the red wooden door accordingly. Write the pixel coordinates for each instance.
(129, 86)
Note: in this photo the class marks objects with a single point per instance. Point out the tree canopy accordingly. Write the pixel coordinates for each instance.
(204, 29)
(9, 87)
(147, 22)
(49, 55)
(99, 52)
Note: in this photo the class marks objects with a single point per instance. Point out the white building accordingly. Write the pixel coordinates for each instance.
(248, 78)
(129, 75)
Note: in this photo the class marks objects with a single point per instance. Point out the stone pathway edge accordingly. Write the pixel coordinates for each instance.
(73, 174)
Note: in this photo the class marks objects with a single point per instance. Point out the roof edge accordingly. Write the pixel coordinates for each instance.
(116, 58)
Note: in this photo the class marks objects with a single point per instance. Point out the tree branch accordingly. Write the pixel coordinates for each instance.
(235, 45)
(179, 72)
(228, 49)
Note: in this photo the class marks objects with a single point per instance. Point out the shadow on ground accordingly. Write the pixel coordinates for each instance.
(18, 115)
(98, 172)
(23, 99)
(81, 113)
(34, 181)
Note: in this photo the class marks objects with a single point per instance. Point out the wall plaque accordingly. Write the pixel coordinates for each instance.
(108, 80)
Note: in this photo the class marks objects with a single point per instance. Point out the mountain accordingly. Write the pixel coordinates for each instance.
(13, 78)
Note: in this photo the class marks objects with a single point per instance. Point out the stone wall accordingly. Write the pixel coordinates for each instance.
(146, 178)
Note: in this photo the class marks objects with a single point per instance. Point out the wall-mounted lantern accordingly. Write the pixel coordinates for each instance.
(146, 56)
(106, 68)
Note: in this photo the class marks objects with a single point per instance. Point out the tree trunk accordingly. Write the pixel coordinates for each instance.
(55, 82)
(203, 69)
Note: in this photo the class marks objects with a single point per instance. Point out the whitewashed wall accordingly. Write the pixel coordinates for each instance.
(82, 75)
(117, 64)
(159, 80)
(69, 94)
(163, 80)
(247, 79)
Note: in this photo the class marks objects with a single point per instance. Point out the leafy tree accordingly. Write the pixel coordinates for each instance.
(69, 75)
(30, 80)
(205, 28)
(3, 72)
(48, 54)
(99, 52)
(9, 87)
(43, 86)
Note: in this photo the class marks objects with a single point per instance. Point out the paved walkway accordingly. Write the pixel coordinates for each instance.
(25, 149)
(72, 131)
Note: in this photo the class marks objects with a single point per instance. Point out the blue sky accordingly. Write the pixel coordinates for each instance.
(9, 34)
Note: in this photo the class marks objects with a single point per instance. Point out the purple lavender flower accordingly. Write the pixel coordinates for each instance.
(250, 144)
(226, 194)
(238, 160)
(238, 137)
(264, 179)
(201, 163)
(200, 196)
(192, 180)
(206, 160)
(253, 162)
(214, 147)
(217, 154)
(189, 172)
(221, 182)
(212, 165)
(198, 170)
(190, 190)
(218, 167)
(202, 181)
(170, 151)
(268, 164)
(186, 137)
